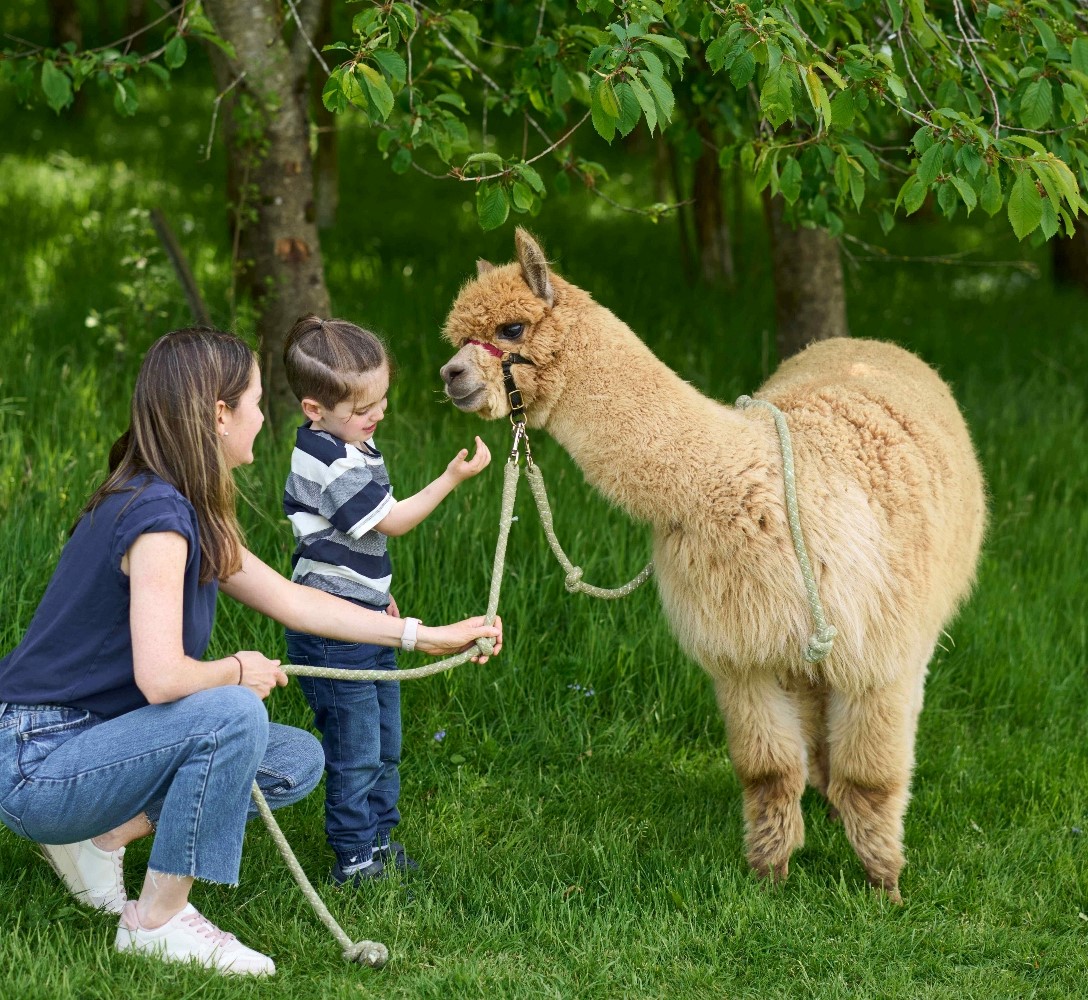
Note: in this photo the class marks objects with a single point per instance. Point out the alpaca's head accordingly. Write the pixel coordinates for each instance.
(514, 309)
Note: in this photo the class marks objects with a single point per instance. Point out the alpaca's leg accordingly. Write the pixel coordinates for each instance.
(767, 751)
(812, 709)
(872, 756)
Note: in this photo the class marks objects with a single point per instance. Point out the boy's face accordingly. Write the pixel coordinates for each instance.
(355, 419)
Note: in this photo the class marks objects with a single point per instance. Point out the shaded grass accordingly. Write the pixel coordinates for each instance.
(579, 824)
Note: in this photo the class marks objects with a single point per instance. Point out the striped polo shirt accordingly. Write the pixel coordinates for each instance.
(334, 496)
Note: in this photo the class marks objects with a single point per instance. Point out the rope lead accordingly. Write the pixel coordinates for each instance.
(822, 640)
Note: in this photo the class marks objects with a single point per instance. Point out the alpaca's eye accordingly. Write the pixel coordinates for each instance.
(511, 331)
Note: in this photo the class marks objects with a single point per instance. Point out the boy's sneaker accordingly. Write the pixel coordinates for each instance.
(95, 877)
(189, 936)
(394, 853)
(358, 874)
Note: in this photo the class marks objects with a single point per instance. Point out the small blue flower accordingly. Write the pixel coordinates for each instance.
(440, 735)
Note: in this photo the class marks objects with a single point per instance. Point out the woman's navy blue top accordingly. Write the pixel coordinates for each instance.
(78, 648)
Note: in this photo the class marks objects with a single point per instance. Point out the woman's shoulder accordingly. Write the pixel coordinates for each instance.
(145, 496)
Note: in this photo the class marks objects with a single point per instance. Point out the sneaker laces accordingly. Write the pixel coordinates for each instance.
(205, 928)
(119, 873)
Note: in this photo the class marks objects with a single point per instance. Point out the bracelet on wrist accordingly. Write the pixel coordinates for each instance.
(239, 659)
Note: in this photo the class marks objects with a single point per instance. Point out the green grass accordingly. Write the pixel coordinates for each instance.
(579, 826)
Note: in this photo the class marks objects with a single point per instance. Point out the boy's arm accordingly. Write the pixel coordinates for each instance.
(406, 514)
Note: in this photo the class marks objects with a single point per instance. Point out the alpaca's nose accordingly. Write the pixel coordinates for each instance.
(451, 371)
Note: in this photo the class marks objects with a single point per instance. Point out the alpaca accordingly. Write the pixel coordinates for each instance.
(892, 510)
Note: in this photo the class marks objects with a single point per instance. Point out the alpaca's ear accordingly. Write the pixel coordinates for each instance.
(483, 266)
(534, 266)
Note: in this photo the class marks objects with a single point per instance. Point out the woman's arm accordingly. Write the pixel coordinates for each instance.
(306, 609)
(155, 564)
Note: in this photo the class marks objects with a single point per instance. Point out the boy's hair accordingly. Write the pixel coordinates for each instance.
(324, 359)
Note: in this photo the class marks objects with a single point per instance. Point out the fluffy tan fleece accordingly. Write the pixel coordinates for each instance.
(892, 509)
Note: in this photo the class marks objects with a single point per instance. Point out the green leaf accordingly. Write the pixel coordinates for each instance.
(1025, 205)
(333, 96)
(492, 206)
(911, 195)
(522, 196)
(895, 8)
(1048, 224)
(377, 89)
(946, 198)
(646, 102)
(816, 94)
(930, 165)
(789, 182)
(991, 199)
(175, 52)
(742, 70)
(605, 109)
(1078, 108)
(1049, 40)
(832, 75)
(402, 161)
(530, 176)
(1036, 105)
(490, 158)
(842, 110)
(57, 86)
(630, 109)
(392, 63)
(966, 192)
(776, 97)
(673, 46)
(1079, 54)
(662, 94)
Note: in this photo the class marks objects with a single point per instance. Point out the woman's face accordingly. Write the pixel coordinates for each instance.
(239, 426)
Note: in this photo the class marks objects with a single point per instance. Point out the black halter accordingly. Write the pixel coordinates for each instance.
(513, 393)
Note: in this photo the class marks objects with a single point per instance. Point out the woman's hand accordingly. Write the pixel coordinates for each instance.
(259, 673)
(444, 640)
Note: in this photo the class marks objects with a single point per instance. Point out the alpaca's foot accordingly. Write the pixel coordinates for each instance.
(873, 818)
(775, 828)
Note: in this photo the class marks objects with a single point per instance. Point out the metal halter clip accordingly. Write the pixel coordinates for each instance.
(520, 436)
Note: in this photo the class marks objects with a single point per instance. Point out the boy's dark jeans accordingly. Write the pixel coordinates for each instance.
(361, 735)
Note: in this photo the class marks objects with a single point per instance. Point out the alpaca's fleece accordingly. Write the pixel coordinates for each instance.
(892, 510)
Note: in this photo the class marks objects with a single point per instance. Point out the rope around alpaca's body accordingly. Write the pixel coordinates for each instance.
(821, 641)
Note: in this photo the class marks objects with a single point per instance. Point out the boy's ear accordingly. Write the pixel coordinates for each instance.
(312, 409)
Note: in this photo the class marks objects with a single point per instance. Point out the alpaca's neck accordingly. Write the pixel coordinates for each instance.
(645, 438)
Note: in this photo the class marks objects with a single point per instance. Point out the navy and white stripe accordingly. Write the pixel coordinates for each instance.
(334, 496)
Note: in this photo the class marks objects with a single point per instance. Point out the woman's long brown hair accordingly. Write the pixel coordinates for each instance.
(173, 435)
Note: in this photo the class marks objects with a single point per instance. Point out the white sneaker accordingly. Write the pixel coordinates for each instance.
(95, 877)
(189, 936)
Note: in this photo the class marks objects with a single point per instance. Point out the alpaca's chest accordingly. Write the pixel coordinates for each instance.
(723, 595)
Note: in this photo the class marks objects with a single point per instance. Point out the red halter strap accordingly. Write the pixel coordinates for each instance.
(490, 348)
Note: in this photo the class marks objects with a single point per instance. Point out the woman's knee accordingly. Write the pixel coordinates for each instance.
(234, 713)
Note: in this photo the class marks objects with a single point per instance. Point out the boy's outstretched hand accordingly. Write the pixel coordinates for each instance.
(463, 467)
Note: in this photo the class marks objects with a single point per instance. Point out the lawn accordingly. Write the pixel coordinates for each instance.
(572, 803)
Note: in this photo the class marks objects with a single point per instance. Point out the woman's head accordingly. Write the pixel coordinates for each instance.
(194, 385)
(331, 360)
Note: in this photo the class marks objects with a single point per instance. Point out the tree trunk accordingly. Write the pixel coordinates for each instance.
(667, 187)
(712, 239)
(268, 143)
(810, 301)
(327, 155)
(1069, 259)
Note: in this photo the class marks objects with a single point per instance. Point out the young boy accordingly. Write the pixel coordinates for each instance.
(342, 509)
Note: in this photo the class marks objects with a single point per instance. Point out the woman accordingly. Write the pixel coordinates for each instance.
(111, 725)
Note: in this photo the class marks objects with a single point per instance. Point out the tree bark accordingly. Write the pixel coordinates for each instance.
(810, 300)
(268, 144)
(712, 239)
(1069, 259)
(327, 154)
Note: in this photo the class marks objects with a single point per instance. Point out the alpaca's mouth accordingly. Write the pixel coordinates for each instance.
(471, 401)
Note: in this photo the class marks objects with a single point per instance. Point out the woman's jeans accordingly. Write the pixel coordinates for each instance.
(361, 734)
(67, 775)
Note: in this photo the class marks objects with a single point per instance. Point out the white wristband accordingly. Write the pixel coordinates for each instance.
(408, 636)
